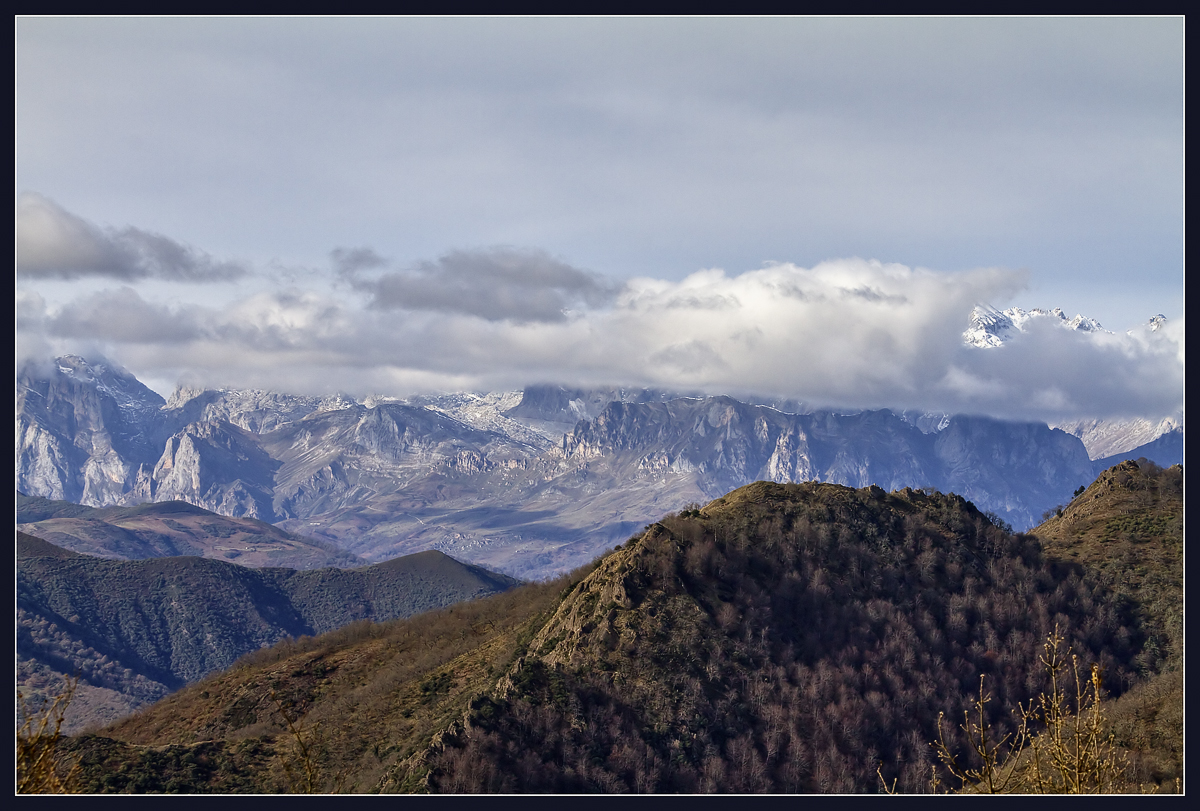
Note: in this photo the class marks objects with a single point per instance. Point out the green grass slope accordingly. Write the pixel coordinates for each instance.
(1126, 530)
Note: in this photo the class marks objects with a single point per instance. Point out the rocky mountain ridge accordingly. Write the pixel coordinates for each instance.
(989, 327)
(503, 481)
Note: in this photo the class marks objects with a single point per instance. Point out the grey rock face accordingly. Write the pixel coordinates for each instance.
(83, 430)
(334, 458)
(1014, 469)
(217, 466)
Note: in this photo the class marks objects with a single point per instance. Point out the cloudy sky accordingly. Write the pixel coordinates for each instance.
(799, 207)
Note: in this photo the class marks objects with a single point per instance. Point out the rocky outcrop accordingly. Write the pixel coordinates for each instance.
(83, 430)
(217, 466)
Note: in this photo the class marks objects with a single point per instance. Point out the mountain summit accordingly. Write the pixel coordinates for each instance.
(989, 327)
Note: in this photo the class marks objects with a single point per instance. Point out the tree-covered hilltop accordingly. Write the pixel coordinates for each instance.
(785, 637)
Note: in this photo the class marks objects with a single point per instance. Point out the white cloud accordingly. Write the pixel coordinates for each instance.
(122, 316)
(850, 333)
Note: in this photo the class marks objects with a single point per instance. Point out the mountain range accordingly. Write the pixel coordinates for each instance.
(531, 483)
(989, 327)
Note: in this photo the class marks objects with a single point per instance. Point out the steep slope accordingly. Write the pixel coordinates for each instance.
(142, 628)
(1105, 439)
(1126, 529)
(1015, 470)
(84, 430)
(1165, 450)
(214, 465)
(786, 637)
(1127, 526)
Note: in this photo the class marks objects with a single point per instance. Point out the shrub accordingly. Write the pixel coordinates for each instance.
(40, 767)
(1061, 745)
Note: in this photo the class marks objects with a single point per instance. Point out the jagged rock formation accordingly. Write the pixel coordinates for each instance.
(83, 430)
(215, 465)
(989, 327)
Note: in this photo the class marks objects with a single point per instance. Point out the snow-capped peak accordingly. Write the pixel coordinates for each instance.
(990, 327)
(111, 379)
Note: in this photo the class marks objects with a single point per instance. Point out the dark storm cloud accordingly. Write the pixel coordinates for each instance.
(53, 243)
(499, 284)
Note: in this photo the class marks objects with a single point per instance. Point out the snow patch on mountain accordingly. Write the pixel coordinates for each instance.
(989, 327)
(485, 412)
(1104, 438)
(108, 378)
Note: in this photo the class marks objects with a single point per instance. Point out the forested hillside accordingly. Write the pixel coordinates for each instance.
(783, 638)
(134, 630)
